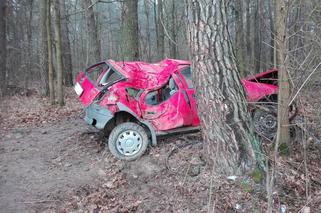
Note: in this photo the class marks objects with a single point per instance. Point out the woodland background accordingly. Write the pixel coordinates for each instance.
(44, 44)
(99, 32)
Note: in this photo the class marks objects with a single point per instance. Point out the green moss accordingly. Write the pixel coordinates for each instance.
(284, 149)
(255, 211)
(246, 186)
(257, 175)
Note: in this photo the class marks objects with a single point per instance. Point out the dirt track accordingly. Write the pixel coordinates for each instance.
(52, 161)
(40, 166)
(52, 168)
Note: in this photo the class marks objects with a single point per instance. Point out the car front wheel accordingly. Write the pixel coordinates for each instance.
(128, 141)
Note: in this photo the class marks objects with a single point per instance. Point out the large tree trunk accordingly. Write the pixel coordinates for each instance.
(130, 42)
(49, 54)
(60, 92)
(3, 47)
(92, 36)
(227, 133)
(283, 135)
(160, 30)
(44, 47)
(66, 50)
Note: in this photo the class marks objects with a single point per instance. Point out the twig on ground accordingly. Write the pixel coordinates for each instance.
(40, 201)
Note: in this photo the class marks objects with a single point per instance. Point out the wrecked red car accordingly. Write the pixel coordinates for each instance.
(134, 102)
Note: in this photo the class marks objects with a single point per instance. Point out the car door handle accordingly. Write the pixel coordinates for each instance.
(150, 113)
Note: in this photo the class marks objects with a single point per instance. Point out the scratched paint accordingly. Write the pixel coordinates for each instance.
(178, 110)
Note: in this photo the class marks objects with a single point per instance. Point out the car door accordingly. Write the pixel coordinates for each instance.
(165, 107)
(185, 75)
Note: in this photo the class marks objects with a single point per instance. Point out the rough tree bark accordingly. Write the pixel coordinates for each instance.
(60, 91)
(66, 49)
(229, 140)
(3, 47)
(283, 135)
(160, 30)
(44, 47)
(92, 35)
(130, 42)
(49, 53)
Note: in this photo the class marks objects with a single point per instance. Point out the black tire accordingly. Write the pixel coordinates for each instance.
(265, 121)
(128, 136)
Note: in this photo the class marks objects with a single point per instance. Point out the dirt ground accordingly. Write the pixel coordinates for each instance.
(51, 161)
(39, 165)
(64, 167)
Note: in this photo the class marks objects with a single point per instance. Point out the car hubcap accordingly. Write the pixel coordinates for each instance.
(265, 123)
(269, 121)
(129, 142)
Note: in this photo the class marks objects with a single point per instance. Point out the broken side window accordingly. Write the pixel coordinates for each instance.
(187, 73)
(94, 73)
(110, 76)
(158, 96)
(152, 98)
(134, 93)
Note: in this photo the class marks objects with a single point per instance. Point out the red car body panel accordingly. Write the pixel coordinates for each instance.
(178, 110)
(261, 85)
(148, 76)
(256, 91)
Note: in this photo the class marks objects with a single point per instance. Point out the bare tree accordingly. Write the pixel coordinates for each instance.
(66, 50)
(28, 52)
(3, 47)
(60, 91)
(49, 53)
(272, 32)
(257, 36)
(94, 54)
(173, 30)
(160, 30)
(248, 34)
(239, 37)
(283, 135)
(129, 28)
(148, 33)
(44, 47)
(229, 140)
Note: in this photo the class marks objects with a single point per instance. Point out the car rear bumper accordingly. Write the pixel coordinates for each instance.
(97, 116)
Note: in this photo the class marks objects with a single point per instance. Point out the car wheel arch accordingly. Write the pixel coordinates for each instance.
(126, 113)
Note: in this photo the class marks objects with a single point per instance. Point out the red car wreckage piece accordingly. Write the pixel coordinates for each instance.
(136, 101)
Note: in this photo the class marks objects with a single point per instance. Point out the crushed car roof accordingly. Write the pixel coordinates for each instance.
(144, 75)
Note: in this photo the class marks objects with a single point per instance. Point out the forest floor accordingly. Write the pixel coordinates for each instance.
(51, 161)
